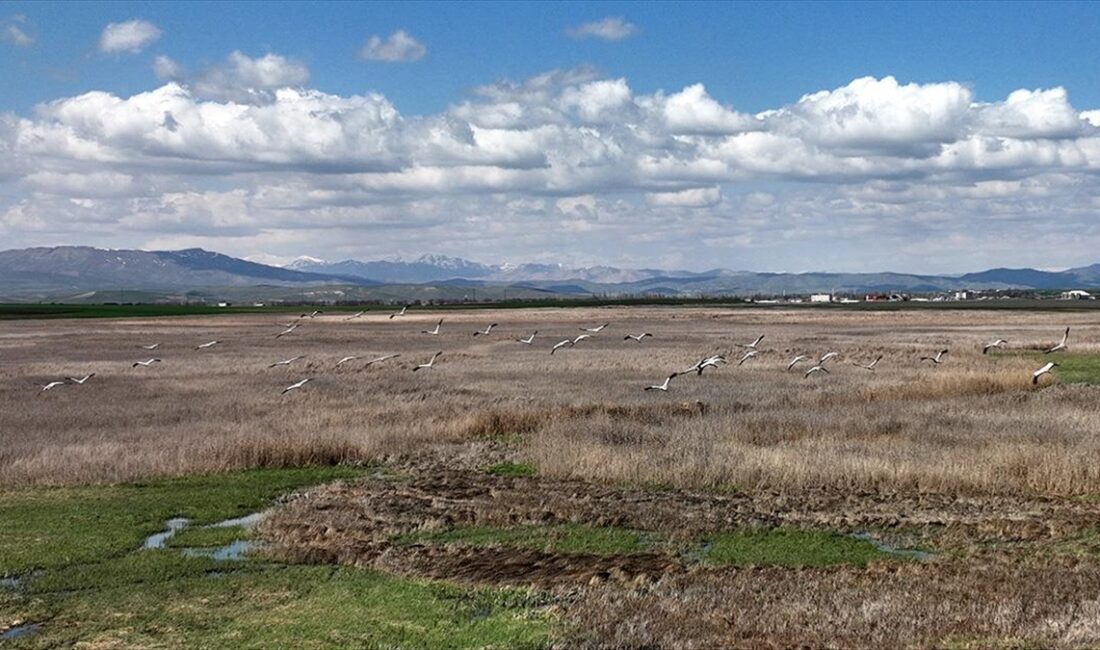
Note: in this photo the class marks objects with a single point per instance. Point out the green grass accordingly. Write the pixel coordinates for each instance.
(561, 538)
(512, 470)
(787, 547)
(42, 528)
(1076, 368)
(85, 579)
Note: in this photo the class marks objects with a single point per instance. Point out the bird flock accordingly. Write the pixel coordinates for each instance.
(752, 350)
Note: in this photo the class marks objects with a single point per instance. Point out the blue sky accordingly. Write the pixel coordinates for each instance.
(505, 135)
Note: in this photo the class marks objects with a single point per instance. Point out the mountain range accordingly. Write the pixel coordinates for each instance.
(85, 273)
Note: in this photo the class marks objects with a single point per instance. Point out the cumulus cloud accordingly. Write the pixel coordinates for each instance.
(131, 36)
(239, 78)
(608, 29)
(398, 47)
(244, 152)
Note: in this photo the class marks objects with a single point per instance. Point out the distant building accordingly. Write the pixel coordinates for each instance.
(963, 295)
(1076, 294)
(224, 304)
(821, 297)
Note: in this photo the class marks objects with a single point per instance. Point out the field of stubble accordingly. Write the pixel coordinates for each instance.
(506, 466)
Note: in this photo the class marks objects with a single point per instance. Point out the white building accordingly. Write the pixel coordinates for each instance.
(1076, 294)
(821, 297)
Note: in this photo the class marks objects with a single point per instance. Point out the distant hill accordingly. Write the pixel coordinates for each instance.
(85, 273)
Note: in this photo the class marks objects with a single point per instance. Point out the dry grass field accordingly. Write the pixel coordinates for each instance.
(507, 466)
(973, 424)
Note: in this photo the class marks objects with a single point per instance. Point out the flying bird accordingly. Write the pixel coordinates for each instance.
(529, 340)
(434, 330)
(871, 366)
(817, 368)
(999, 343)
(355, 315)
(207, 345)
(150, 347)
(1045, 370)
(637, 338)
(288, 330)
(431, 362)
(297, 385)
(708, 362)
(345, 360)
(485, 332)
(52, 385)
(399, 313)
(662, 386)
(380, 359)
(827, 356)
(145, 364)
(594, 330)
(938, 359)
(285, 362)
(312, 315)
(83, 379)
(1061, 346)
(795, 361)
(561, 344)
(748, 355)
(752, 346)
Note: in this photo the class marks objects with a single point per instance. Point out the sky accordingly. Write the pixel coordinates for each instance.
(915, 137)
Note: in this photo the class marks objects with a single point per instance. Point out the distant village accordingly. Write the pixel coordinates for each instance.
(947, 296)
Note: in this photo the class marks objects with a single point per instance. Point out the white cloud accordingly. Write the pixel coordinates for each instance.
(243, 154)
(131, 36)
(16, 35)
(696, 197)
(167, 68)
(609, 29)
(399, 47)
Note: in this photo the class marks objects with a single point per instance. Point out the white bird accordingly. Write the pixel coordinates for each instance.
(708, 362)
(287, 331)
(431, 362)
(1061, 346)
(594, 330)
(748, 355)
(285, 362)
(83, 379)
(871, 366)
(752, 346)
(1042, 371)
(435, 330)
(938, 359)
(399, 313)
(312, 315)
(485, 332)
(995, 344)
(637, 338)
(817, 368)
(380, 359)
(145, 363)
(52, 385)
(581, 337)
(345, 360)
(355, 315)
(207, 345)
(150, 347)
(827, 356)
(561, 344)
(297, 385)
(795, 361)
(529, 340)
(663, 386)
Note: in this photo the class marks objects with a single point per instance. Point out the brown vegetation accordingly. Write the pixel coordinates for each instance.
(974, 424)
